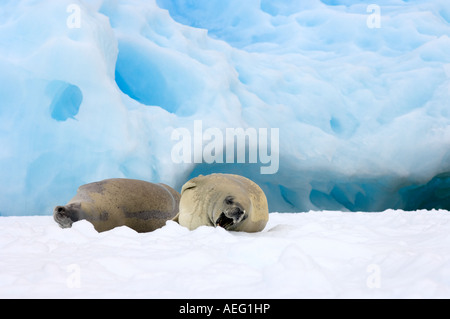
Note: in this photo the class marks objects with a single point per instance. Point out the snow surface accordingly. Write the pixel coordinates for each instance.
(363, 113)
(327, 254)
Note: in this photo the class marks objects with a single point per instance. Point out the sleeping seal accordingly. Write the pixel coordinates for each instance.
(230, 201)
(140, 205)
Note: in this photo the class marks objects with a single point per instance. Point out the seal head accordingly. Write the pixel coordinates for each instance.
(229, 201)
(65, 216)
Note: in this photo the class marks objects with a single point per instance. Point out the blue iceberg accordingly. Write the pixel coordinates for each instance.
(358, 94)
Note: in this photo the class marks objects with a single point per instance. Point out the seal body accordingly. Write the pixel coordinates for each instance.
(230, 201)
(140, 205)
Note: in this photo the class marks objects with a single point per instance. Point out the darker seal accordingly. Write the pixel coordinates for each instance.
(140, 205)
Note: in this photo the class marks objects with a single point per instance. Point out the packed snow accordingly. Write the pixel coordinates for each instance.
(327, 254)
(359, 92)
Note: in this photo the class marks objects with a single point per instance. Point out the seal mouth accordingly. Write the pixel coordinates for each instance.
(231, 217)
(224, 221)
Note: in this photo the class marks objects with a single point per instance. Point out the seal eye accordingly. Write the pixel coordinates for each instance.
(229, 200)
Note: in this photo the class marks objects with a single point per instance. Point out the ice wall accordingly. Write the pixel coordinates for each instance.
(359, 93)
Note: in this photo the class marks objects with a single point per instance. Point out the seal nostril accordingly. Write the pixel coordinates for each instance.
(237, 212)
(60, 209)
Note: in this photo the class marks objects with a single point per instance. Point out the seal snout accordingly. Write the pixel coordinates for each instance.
(61, 217)
(236, 213)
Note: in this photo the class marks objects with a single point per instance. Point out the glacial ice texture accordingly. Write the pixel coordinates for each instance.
(359, 93)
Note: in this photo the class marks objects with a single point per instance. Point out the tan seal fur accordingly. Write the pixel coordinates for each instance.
(231, 201)
(140, 205)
